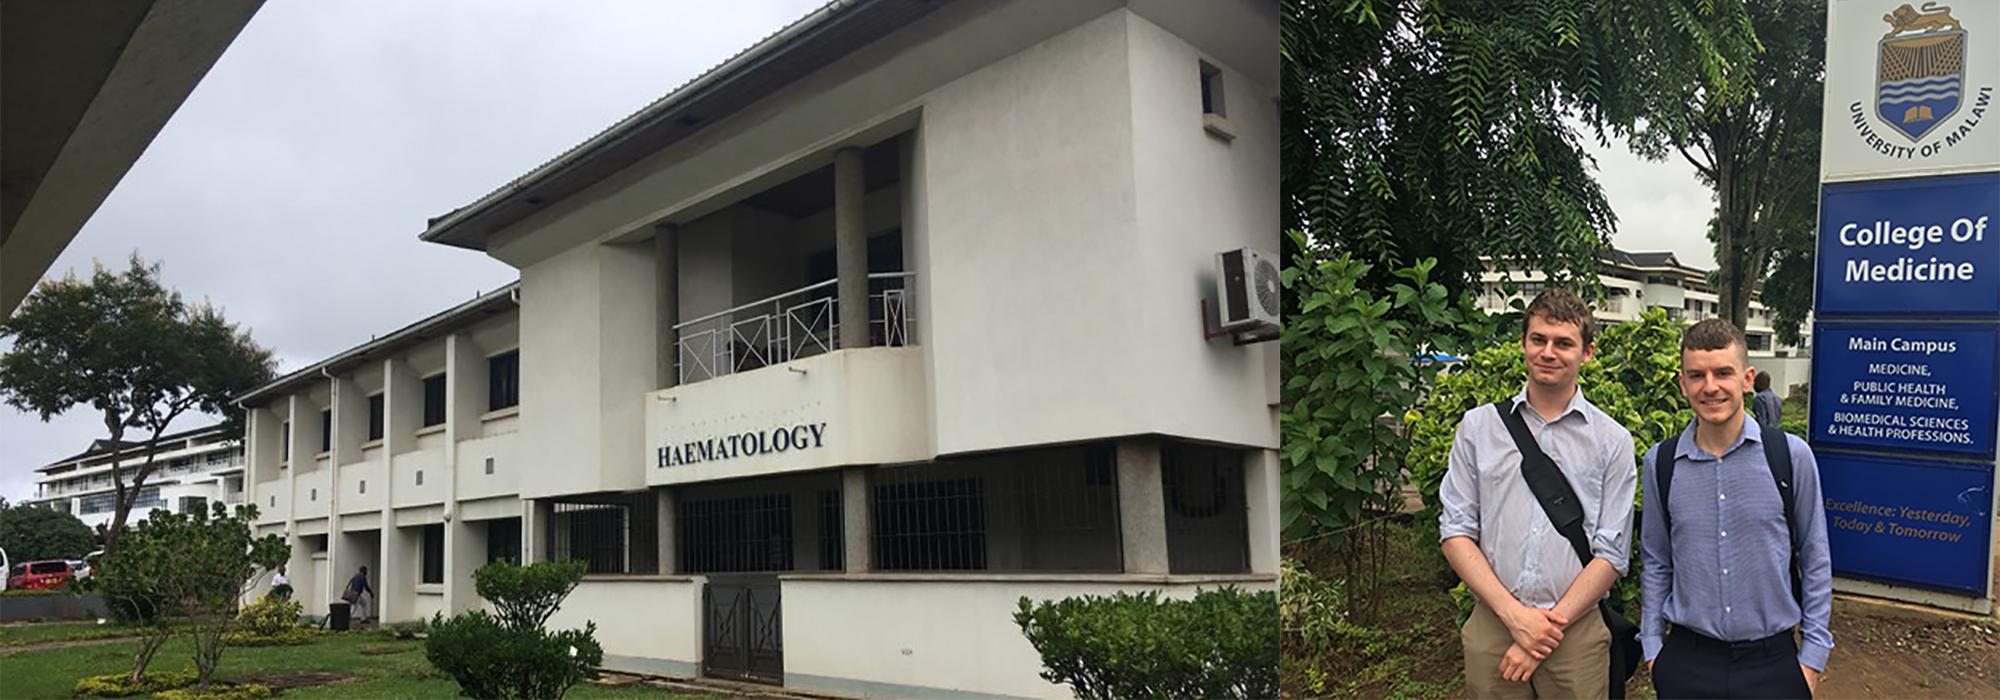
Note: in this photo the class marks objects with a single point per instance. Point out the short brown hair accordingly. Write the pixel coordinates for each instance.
(1715, 334)
(1762, 382)
(1563, 306)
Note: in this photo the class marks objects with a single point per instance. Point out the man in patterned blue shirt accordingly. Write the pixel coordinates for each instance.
(1719, 570)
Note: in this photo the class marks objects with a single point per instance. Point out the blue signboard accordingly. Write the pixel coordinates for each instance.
(1904, 387)
(1926, 246)
(1910, 521)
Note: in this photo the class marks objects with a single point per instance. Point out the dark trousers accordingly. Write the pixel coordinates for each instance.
(1692, 665)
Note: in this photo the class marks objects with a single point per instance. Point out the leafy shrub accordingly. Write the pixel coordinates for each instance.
(290, 637)
(510, 655)
(31, 592)
(1222, 644)
(118, 685)
(246, 691)
(269, 617)
(403, 630)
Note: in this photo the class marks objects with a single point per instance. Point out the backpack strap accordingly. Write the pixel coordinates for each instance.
(1663, 477)
(1778, 455)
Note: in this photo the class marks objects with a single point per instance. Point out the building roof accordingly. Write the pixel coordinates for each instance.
(101, 446)
(403, 338)
(834, 30)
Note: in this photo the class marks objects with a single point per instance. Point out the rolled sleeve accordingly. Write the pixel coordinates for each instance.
(1612, 540)
(1815, 563)
(1458, 495)
(1656, 576)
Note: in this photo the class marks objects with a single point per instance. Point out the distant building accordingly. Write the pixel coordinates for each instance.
(191, 469)
(1637, 281)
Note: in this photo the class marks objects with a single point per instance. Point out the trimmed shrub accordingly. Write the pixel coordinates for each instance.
(268, 617)
(510, 655)
(1222, 644)
(31, 592)
(246, 691)
(118, 685)
(291, 637)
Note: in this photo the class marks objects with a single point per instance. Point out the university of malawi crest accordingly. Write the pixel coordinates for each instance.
(1920, 69)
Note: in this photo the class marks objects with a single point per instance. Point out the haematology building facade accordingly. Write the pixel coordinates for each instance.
(826, 358)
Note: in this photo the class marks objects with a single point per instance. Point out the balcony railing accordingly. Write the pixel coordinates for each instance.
(796, 324)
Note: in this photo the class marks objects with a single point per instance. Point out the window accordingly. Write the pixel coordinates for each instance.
(1207, 525)
(326, 430)
(375, 417)
(1211, 91)
(285, 442)
(614, 533)
(1040, 510)
(503, 380)
(746, 533)
(433, 400)
(433, 568)
(503, 540)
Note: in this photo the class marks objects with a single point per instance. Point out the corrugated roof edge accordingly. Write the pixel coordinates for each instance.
(395, 339)
(98, 451)
(442, 226)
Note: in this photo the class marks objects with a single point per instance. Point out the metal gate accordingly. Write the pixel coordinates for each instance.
(742, 637)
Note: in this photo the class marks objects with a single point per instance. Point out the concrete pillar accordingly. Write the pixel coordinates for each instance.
(464, 401)
(856, 522)
(667, 263)
(396, 584)
(667, 506)
(464, 553)
(536, 514)
(1260, 504)
(1142, 507)
(850, 245)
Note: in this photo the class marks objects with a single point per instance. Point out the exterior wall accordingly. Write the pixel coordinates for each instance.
(938, 636)
(647, 624)
(585, 367)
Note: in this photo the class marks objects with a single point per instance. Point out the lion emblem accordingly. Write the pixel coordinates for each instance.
(1934, 18)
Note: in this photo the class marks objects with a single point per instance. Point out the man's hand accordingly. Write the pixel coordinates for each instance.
(1535, 630)
(1517, 665)
(1812, 677)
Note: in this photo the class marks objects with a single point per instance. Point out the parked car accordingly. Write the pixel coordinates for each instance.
(52, 573)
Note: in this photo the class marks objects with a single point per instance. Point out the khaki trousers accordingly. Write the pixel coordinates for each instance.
(1579, 668)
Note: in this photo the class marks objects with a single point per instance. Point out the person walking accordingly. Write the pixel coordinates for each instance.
(281, 585)
(1733, 541)
(1537, 629)
(1766, 405)
(359, 594)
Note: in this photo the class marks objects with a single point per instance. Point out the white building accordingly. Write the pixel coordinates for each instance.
(825, 359)
(191, 469)
(1636, 282)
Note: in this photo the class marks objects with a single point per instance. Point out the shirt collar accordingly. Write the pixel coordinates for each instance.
(1577, 404)
(1685, 446)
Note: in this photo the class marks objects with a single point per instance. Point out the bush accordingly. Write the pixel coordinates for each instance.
(29, 533)
(246, 691)
(510, 655)
(31, 592)
(291, 637)
(403, 630)
(269, 617)
(118, 685)
(1221, 644)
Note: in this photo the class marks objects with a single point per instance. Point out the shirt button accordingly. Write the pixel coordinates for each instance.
(1725, 572)
(1725, 533)
(1721, 497)
(1728, 609)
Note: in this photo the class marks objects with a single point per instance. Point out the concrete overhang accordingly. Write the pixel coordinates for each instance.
(84, 89)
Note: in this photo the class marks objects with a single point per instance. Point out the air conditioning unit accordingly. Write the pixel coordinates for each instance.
(1248, 291)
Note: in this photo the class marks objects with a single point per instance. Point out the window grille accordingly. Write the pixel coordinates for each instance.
(1207, 525)
(615, 533)
(832, 548)
(1039, 510)
(744, 533)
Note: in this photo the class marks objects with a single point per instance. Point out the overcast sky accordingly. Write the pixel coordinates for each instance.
(290, 187)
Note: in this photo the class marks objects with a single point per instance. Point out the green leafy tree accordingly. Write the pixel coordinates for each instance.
(192, 567)
(1752, 134)
(510, 654)
(1449, 130)
(127, 347)
(29, 533)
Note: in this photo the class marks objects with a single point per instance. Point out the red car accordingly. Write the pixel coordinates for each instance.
(40, 574)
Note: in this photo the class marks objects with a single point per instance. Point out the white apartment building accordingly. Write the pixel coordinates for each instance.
(826, 358)
(1637, 281)
(191, 469)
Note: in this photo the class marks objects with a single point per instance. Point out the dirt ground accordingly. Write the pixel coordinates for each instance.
(1893, 651)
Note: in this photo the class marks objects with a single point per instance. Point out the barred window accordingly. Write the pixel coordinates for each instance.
(1207, 524)
(1039, 510)
(613, 533)
(745, 533)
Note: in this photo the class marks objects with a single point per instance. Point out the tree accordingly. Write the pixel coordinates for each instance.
(1752, 135)
(29, 533)
(195, 567)
(131, 349)
(1448, 130)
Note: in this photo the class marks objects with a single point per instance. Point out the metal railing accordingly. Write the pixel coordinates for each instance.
(793, 325)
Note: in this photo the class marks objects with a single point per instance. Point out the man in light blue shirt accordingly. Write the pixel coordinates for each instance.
(1536, 631)
(1719, 570)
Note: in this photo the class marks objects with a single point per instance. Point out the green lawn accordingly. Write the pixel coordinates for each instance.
(389, 669)
(38, 632)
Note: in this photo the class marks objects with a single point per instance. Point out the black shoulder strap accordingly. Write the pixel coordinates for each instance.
(1778, 454)
(1663, 477)
(1546, 481)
